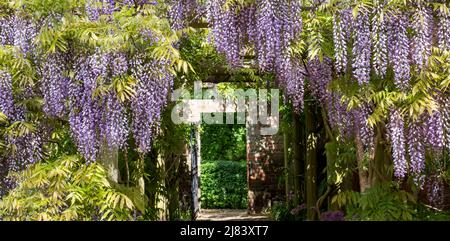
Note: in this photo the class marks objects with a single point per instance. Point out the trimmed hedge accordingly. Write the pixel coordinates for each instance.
(224, 184)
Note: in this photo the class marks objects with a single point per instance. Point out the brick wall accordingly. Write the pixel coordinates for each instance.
(264, 169)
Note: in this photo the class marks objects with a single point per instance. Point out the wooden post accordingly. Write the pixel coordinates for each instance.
(173, 177)
(199, 161)
(195, 178)
(161, 198)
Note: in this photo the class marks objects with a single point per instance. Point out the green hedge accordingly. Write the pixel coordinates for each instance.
(223, 142)
(224, 184)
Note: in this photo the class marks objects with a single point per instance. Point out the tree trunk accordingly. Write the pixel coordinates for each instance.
(172, 186)
(127, 167)
(297, 157)
(311, 163)
(141, 167)
(381, 159)
(364, 181)
(109, 157)
(287, 167)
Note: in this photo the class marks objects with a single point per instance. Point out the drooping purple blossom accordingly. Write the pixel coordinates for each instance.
(119, 64)
(23, 150)
(95, 8)
(231, 29)
(320, 76)
(6, 95)
(24, 33)
(270, 26)
(225, 30)
(176, 15)
(6, 32)
(380, 39)
(362, 48)
(85, 110)
(55, 84)
(444, 30)
(8, 101)
(366, 132)
(397, 137)
(182, 12)
(435, 187)
(423, 36)
(295, 22)
(398, 43)
(154, 84)
(444, 109)
(339, 118)
(28, 150)
(97, 117)
(342, 22)
(416, 147)
(434, 132)
(247, 25)
(18, 31)
(114, 128)
(268, 34)
(288, 27)
(294, 86)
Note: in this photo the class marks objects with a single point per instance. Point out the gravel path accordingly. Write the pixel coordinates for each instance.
(230, 215)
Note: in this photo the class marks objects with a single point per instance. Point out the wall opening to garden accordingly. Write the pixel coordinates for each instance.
(223, 167)
(239, 164)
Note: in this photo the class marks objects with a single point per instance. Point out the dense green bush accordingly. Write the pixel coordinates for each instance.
(223, 142)
(224, 184)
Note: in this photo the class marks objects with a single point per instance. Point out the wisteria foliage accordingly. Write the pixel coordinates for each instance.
(26, 148)
(370, 44)
(83, 85)
(373, 40)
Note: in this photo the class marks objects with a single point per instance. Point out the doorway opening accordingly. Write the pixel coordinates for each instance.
(223, 167)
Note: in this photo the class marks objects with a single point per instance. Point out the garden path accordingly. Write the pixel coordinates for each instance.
(230, 215)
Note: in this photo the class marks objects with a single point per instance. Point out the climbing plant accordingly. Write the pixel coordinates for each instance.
(367, 82)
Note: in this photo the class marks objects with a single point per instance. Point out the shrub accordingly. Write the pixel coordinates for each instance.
(379, 203)
(65, 189)
(224, 184)
(332, 216)
(282, 211)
